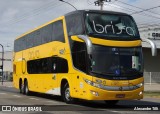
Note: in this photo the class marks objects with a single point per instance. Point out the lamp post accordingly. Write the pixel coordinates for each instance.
(2, 61)
(69, 4)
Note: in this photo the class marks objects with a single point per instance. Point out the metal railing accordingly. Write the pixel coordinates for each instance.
(151, 78)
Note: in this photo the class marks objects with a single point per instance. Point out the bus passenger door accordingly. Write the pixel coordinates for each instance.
(51, 79)
(60, 68)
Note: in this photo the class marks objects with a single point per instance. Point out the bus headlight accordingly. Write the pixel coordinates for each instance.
(93, 83)
(88, 82)
(114, 88)
(139, 85)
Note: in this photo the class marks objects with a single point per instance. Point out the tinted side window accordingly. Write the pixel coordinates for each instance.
(19, 44)
(58, 33)
(37, 38)
(39, 66)
(74, 24)
(23, 43)
(51, 32)
(47, 65)
(61, 65)
(46, 34)
(79, 54)
(16, 45)
(29, 40)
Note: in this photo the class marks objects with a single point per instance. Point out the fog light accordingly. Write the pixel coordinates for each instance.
(94, 93)
(140, 93)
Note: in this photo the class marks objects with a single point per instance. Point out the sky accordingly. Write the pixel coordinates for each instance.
(20, 16)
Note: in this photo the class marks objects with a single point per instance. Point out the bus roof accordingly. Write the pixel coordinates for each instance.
(96, 11)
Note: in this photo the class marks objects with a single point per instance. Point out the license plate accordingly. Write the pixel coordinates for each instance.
(120, 95)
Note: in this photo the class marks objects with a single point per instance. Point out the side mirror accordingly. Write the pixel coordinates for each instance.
(153, 46)
(88, 43)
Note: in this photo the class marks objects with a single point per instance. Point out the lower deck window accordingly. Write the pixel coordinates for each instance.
(47, 65)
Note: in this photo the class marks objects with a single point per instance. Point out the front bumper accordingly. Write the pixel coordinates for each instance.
(99, 94)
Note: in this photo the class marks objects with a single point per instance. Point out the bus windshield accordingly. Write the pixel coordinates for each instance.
(117, 62)
(111, 26)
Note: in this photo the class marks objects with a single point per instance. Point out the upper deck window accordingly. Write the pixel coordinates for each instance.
(49, 33)
(111, 26)
(74, 24)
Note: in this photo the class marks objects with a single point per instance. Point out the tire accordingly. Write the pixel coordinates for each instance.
(21, 87)
(111, 102)
(26, 89)
(66, 94)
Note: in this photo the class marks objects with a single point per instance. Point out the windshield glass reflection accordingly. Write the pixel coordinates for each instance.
(117, 61)
(111, 25)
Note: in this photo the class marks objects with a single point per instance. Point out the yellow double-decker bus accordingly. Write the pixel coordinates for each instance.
(85, 54)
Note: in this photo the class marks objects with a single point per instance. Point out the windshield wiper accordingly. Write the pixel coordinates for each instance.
(102, 73)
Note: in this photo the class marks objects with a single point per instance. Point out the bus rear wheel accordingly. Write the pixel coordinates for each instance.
(21, 87)
(66, 94)
(111, 102)
(26, 89)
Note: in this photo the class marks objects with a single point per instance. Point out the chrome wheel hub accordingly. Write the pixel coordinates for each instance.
(67, 94)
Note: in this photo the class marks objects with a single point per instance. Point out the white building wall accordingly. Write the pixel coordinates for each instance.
(153, 34)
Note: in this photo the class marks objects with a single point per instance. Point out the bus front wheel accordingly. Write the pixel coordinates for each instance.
(66, 94)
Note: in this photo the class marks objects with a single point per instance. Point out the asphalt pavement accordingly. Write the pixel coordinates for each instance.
(9, 96)
(49, 104)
